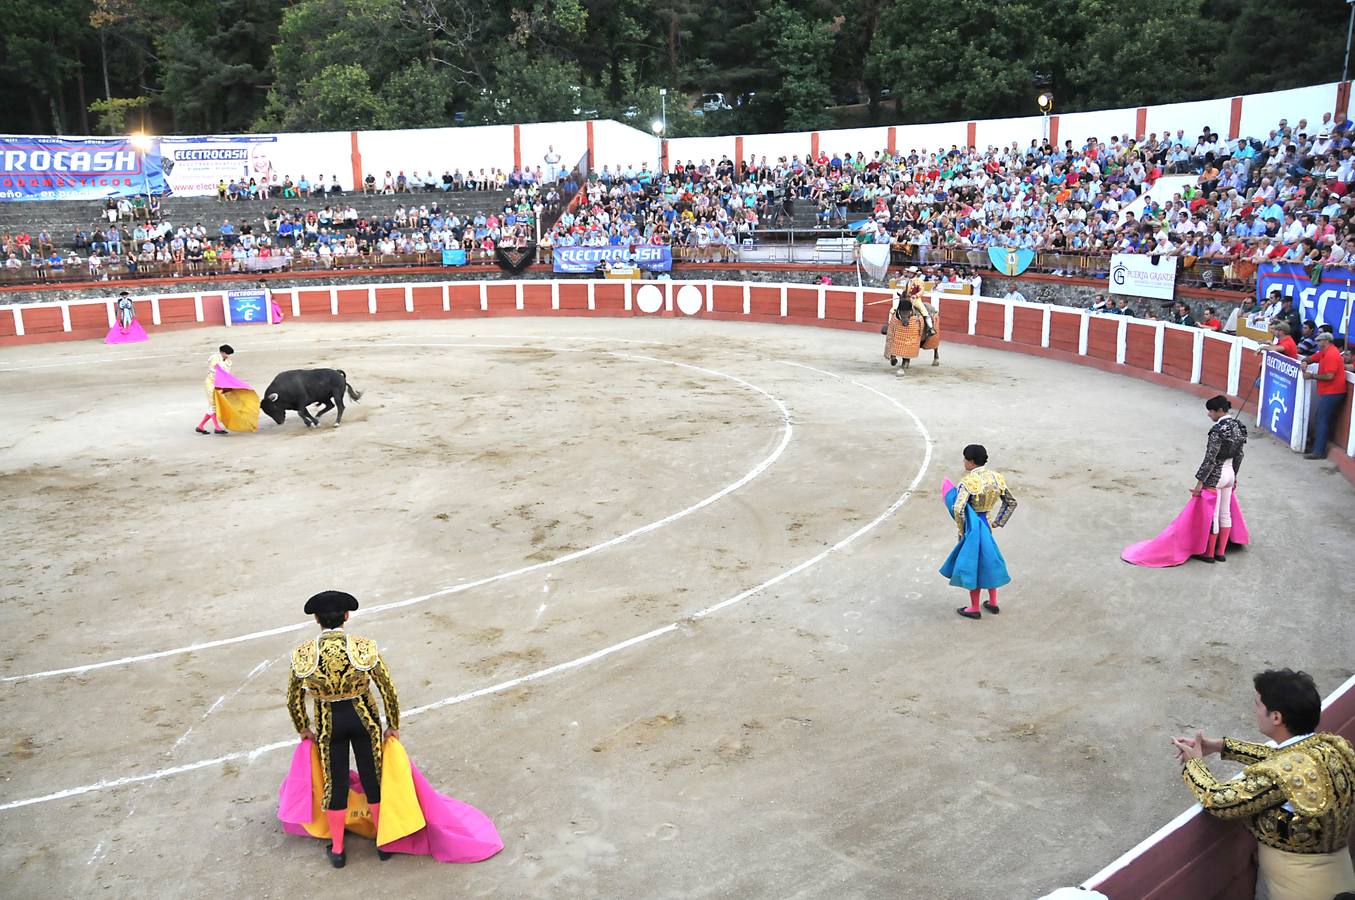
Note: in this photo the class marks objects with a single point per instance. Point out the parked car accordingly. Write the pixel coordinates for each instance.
(713, 103)
(630, 112)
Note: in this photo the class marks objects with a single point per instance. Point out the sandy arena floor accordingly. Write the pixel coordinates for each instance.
(798, 712)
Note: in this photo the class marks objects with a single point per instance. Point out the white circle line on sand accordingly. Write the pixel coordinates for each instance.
(85, 359)
(671, 627)
(787, 430)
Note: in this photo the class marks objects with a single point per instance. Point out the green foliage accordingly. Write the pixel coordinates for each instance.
(337, 97)
(112, 113)
(232, 65)
(800, 47)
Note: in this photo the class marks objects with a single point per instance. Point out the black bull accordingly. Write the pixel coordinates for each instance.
(297, 389)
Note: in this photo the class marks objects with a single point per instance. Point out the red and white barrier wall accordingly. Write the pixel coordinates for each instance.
(1194, 855)
(1187, 358)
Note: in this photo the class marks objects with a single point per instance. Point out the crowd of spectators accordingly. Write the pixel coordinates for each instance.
(332, 235)
(1282, 197)
(1285, 197)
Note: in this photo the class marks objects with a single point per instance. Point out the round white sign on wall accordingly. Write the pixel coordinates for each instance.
(690, 299)
(649, 298)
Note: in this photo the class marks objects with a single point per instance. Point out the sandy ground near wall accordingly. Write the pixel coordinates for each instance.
(838, 733)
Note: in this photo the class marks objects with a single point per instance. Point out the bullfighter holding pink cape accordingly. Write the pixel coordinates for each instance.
(387, 798)
(1212, 519)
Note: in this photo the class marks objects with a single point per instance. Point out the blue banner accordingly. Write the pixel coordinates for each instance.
(248, 307)
(1326, 303)
(1011, 260)
(1282, 393)
(50, 168)
(453, 257)
(588, 259)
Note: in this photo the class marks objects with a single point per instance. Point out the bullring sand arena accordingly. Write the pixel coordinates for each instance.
(660, 597)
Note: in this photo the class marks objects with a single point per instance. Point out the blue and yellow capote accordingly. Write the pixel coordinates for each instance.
(976, 562)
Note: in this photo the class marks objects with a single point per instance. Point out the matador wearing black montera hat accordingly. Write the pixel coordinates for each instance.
(337, 668)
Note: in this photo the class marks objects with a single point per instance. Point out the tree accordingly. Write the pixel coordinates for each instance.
(800, 48)
(337, 97)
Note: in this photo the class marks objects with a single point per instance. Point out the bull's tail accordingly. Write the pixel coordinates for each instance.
(353, 393)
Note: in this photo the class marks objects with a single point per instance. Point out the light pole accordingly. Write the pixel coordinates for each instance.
(663, 120)
(1046, 103)
(657, 128)
(142, 142)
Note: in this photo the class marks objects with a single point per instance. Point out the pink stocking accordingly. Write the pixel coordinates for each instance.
(336, 818)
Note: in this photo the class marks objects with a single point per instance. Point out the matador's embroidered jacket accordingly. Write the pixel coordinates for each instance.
(334, 667)
(1300, 798)
(983, 489)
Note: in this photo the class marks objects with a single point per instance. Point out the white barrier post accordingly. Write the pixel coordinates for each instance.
(155, 311)
(554, 294)
(226, 308)
(19, 321)
(1121, 340)
(409, 298)
(66, 317)
(333, 301)
(592, 303)
(197, 307)
(1008, 315)
(113, 318)
(484, 297)
(1234, 366)
(748, 299)
(520, 302)
(785, 302)
(823, 302)
(1197, 357)
(371, 300)
(1158, 333)
(973, 314)
(1044, 326)
(1083, 326)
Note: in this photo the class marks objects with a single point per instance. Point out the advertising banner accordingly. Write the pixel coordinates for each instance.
(1328, 302)
(1141, 275)
(1283, 408)
(58, 168)
(195, 166)
(247, 307)
(1010, 260)
(588, 259)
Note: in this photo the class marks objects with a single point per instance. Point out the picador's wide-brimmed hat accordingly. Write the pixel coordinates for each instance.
(331, 602)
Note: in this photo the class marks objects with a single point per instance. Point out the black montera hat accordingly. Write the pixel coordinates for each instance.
(331, 601)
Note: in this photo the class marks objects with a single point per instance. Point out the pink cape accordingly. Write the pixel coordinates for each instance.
(1187, 534)
(225, 381)
(275, 312)
(132, 334)
(455, 832)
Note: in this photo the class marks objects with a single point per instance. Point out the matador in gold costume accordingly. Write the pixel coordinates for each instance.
(336, 669)
(1296, 796)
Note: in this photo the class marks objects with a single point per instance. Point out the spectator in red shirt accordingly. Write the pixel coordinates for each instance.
(1211, 320)
(1284, 342)
(1331, 392)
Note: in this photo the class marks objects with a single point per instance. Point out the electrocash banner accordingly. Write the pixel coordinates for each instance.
(1327, 300)
(587, 259)
(61, 168)
(1282, 410)
(197, 165)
